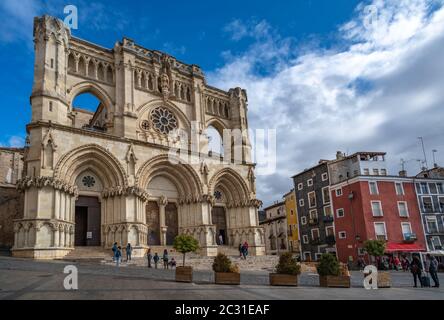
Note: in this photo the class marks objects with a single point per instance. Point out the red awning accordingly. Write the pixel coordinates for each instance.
(403, 247)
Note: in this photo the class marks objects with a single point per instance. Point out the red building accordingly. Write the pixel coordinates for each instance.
(376, 207)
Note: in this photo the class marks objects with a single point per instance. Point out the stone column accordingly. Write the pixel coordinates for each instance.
(162, 202)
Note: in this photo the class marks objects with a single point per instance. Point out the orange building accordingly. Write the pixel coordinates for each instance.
(292, 221)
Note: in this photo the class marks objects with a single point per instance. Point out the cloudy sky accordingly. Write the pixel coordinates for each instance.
(327, 75)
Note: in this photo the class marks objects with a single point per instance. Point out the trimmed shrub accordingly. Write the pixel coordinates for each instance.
(288, 265)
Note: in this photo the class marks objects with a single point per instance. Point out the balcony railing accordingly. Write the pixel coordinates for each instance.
(330, 240)
(410, 237)
(313, 222)
(316, 241)
(328, 219)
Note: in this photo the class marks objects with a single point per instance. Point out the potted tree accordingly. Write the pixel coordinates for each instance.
(184, 244)
(287, 271)
(376, 248)
(331, 274)
(225, 271)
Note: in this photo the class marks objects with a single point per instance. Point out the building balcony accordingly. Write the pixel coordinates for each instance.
(316, 241)
(330, 240)
(328, 219)
(410, 238)
(313, 222)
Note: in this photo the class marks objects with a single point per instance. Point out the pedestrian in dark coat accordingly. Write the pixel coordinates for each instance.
(149, 256)
(114, 249)
(129, 251)
(156, 259)
(165, 259)
(416, 269)
(433, 269)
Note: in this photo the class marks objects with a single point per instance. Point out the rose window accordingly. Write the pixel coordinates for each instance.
(88, 181)
(163, 120)
(218, 195)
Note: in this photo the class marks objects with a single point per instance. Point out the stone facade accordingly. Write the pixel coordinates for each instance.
(276, 228)
(125, 155)
(11, 201)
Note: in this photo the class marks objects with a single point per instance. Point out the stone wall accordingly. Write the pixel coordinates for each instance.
(11, 207)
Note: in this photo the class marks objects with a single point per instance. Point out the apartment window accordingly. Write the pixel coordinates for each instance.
(315, 234)
(361, 251)
(326, 195)
(377, 209)
(418, 188)
(340, 213)
(427, 204)
(329, 231)
(406, 230)
(436, 243)
(318, 256)
(383, 172)
(313, 214)
(307, 256)
(304, 220)
(373, 187)
(305, 239)
(432, 224)
(432, 188)
(324, 176)
(366, 172)
(441, 204)
(300, 186)
(327, 211)
(339, 192)
(399, 189)
(424, 188)
(312, 199)
(291, 212)
(440, 188)
(342, 235)
(403, 209)
(309, 182)
(376, 172)
(301, 202)
(380, 231)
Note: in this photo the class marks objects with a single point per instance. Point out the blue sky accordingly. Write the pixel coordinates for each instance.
(329, 75)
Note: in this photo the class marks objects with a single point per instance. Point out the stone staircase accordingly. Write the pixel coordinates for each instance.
(88, 253)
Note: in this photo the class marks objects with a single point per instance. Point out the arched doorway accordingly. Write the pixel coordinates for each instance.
(87, 222)
(165, 192)
(219, 219)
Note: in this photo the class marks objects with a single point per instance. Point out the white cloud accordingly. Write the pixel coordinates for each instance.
(379, 93)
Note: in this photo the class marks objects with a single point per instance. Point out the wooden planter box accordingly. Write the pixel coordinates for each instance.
(384, 279)
(184, 274)
(227, 277)
(334, 281)
(289, 280)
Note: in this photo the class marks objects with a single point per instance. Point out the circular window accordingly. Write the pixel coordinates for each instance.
(218, 195)
(163, 120)
(88, 181)
(145, 125)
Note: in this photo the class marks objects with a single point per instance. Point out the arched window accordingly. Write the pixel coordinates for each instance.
(82, 66)
(98, 114)
(71, 63)
(215, 141)
(100, 72)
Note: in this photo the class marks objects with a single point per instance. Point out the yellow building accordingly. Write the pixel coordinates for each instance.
(292, 221)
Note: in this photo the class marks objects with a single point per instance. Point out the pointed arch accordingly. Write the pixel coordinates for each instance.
(183, 176)
(235, 186)
(91, 157)
(91, 87)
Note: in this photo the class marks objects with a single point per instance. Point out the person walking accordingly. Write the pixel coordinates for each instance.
(165, 259)
(240, 249)
(118, 256)
(246, 248)
(244, 252)
(416, 269)
(156, 259)
(129, 250)
(114, 249)
(433, 269)
(149, 256)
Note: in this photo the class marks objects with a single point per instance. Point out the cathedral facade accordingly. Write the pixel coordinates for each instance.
(119, 174)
